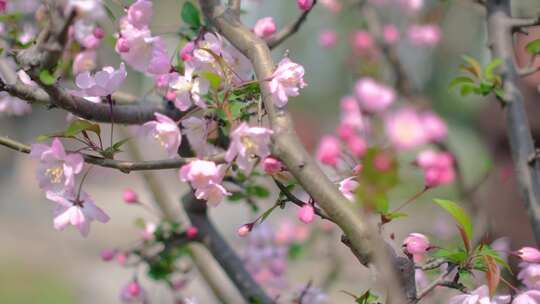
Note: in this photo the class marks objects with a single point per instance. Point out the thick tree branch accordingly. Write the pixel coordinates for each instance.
(517, 125)
(279, 37)
(363, 237)
(223, 253)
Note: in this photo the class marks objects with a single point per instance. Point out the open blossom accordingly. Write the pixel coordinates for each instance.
(205, 177)
(210, 42)
(84, 61)
(528, 297)
(390, 34)
(329, 150)
(405, 129)
(264, 27)
(374, 97)
(78, 211)
(103, 83)
(246, 143)
(435, 128)
(286, 81)
(351, 118)
(304, 4)
(306, 213)
(165, 131)
(529, 254)
(479, 296)
(196, 131)
(13, 106)
(140, 13)
(438, 167)
(328, 38)
(57, 169)
(188, 89)
(417, 245)
(133, 292)
(348, 187)
(530, 275)
(428, 35)
(272, 165)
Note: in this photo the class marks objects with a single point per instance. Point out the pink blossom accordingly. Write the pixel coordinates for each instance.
(196, 131)
(272, 165)
(529, 254)
(148, 231)
(417, 245)
(84, 61)
(404, 128)
(438, 167)
(3, 5)
(329, 150)
(159, 61)
(140, 13)
(479, 296)
(413, 5)
(373, 96)
(132, 292)
(78, 211)
(351, 116)
(192, 232)
(264, 27)
(57, 169)
(13, 106)
(332, 5)
(165, 131)
(528, 297)
(244, 230)
(239, 63)
(108, 254)
(362, 41)
(435, 128)
(90, 10)
(246, 144)
(130, 197)
(390, 34)
(348, 187)
(122, 45)
(306, 213)
(103, 83)
(98, 32)
(189, 89)
(357, 145)
(382, 162)
(286, 81)
(428, 35)
(186, 53)
(304, 4)
(327, 38)
(205, 177)
(211, 42)
(121, 258)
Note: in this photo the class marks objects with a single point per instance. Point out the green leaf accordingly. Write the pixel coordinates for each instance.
(79, 125)
(190, 15)
(491, 67)
(213, 78)
(456, 256)
(459, 215)
(533, 47)
(236, 196)
(295, 251)
(486, 87)
(467, 89)
(46, 77)
(236, 109)
(459, 81)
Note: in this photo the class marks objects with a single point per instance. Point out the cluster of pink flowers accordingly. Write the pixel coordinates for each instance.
(205, 177)
(438, 167)
(408, 128)
(287, 80)
(165, 131)
(247, 143)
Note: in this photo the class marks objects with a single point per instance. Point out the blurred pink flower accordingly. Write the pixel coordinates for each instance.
(390, 34)
(165, 131)
(417, 245)
(13, 106)
(186, 53)
(304, 4)
(435, 128)
(287, 80)
(148, 231)
(246, 143)
(438, 167)
(413, 5)
(140, 13)
(405, 129)
(306, 213)
(244, 230)
(329, 150)
(192, 232)
(205, 177)
(351, 117)
(103, 83)
(264, 27)
(84, 61)
(373, 96)
(348, 187)
(130, 197)
(327, 38)
(428, 35)
(332, 5)
(108, 254)
(529, 254)
(528, 297)
(357, 145)
(132, 292)
(362, 41)
(272, 165)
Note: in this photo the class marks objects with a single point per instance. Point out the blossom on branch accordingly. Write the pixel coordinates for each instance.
(264, 27)
(374, 97)
(286, 81)
(246, 144)
(188, 89)
(103, 83)
(206, 177)
(165, 131)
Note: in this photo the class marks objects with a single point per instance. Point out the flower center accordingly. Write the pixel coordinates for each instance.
(160, 139)
(249, 144)
(55, 174)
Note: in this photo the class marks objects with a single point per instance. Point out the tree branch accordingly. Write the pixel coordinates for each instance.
(517, 125)
(286, 146)
(279, 37)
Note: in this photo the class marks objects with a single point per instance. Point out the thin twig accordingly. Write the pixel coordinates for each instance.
(279, 37)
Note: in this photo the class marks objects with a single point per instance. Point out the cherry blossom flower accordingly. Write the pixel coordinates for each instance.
(108, 255)
(133, 292)
(57, 169)
(329, 150)
(210, 45)
(438, 167)
(239, 67)
(362, 41)
(272, 165)
(428, 35)
(332, 5)
(479, 296)
(244, 230)
(390, 34)
(88, 9)
(357, 145)
(413, 5)
(205, 177)
(103, 83)
(3, 5)
(196, 131)
(264, 27)
(347, 187)
(327, 38)
(304, 4)
(148, 231)
(78, 211)
(192, 232)
(286, 81)
(186, 53)
(165, 131)
(140, 13)
(130, 197)
(189, 89)
(404, 128)
(528, 297)
(13, 106)
(530, 275)
(84, 61)
(529, 254)
(246, 144)
(435, 128)
(417, 245)
(306, 213)
(373, 96)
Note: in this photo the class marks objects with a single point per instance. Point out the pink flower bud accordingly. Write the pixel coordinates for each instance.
(121, 258)
(192, 232)
(304, 4)
(134, 289)
(345, 131)
(329, 150)
(357, 145)
(434, 127)
(98, 32)
(122, 45)
(362, 41)
(244, 230)
(374, 97)
(108, 254)
(179, 284)
(416, 244)
(264, 27)
(130, 196)
(3, 5)
(306, 213)
(382, 162)
(390, 34)
(272, 165)
(356, 170)
(327, 38)
(529, 254)
(171, 95)
(186, 53)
